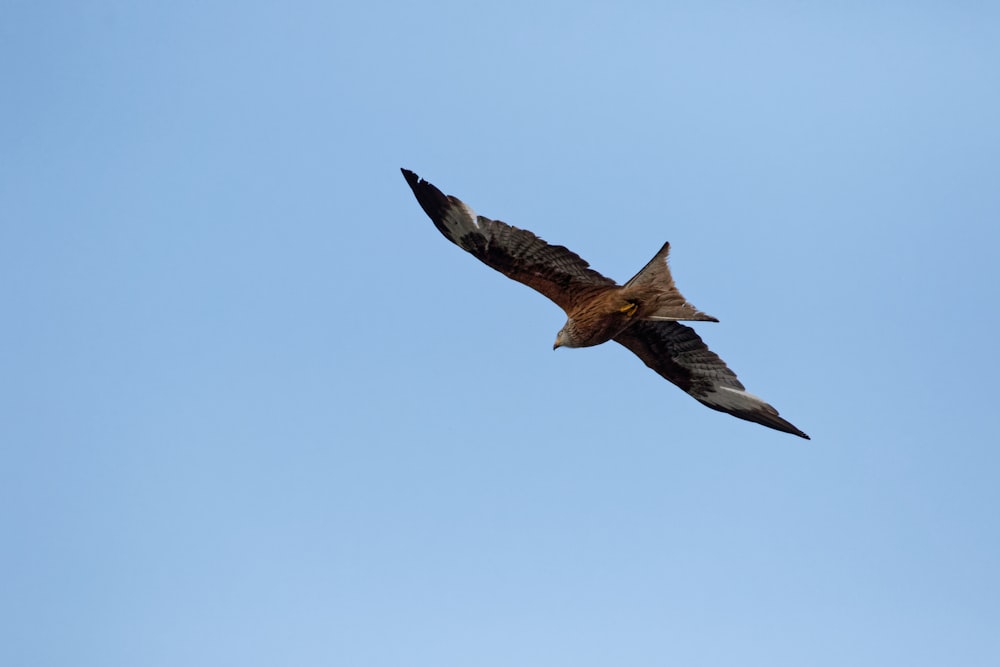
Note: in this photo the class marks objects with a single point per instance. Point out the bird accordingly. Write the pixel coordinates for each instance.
(644, 315)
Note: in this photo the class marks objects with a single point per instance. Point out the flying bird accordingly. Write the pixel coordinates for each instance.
(644, 314)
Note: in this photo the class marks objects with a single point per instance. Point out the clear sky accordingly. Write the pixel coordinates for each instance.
(258, 411)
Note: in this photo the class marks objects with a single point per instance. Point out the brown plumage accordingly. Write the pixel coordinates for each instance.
(642, 314)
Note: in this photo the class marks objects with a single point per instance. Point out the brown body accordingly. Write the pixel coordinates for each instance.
(600, 319)
(608, 311)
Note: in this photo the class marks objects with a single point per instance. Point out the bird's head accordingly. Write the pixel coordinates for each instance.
(565, 336)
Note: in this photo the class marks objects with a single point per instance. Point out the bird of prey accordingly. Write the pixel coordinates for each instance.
(643, 314)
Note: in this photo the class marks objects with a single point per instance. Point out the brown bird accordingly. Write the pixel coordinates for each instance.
(642, 314)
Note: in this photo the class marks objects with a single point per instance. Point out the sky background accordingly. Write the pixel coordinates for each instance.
(258, 411)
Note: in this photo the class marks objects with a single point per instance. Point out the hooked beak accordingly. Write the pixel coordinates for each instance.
(557, 345)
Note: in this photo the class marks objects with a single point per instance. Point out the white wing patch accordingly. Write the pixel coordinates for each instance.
(734, 399)
(461, 218)
(468, 211)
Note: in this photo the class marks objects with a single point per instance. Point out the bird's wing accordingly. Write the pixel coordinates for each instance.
(678, 354)
(554, 270)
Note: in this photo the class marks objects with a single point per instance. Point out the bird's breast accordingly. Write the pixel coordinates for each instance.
(602, 318)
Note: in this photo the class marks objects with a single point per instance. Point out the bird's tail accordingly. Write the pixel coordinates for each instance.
(654, 288)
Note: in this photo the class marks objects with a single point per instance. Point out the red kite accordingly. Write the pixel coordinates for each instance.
(642, 314)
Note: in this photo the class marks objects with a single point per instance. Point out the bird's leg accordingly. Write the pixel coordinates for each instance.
(629, 309)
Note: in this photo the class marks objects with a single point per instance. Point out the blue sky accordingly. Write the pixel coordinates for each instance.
(258, 411)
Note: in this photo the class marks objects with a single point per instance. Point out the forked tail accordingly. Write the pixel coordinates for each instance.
(654, 288)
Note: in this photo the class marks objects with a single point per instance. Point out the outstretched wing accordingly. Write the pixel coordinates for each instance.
(678, 354)
(554, 270)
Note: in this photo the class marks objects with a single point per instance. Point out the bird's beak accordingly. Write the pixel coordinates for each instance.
(557, 345)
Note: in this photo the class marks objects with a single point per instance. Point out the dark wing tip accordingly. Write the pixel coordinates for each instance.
(799, 433)
(433, 201)
(768, 416)
(760, 413)
(788, 427)
(411, 179)
(449, 214)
